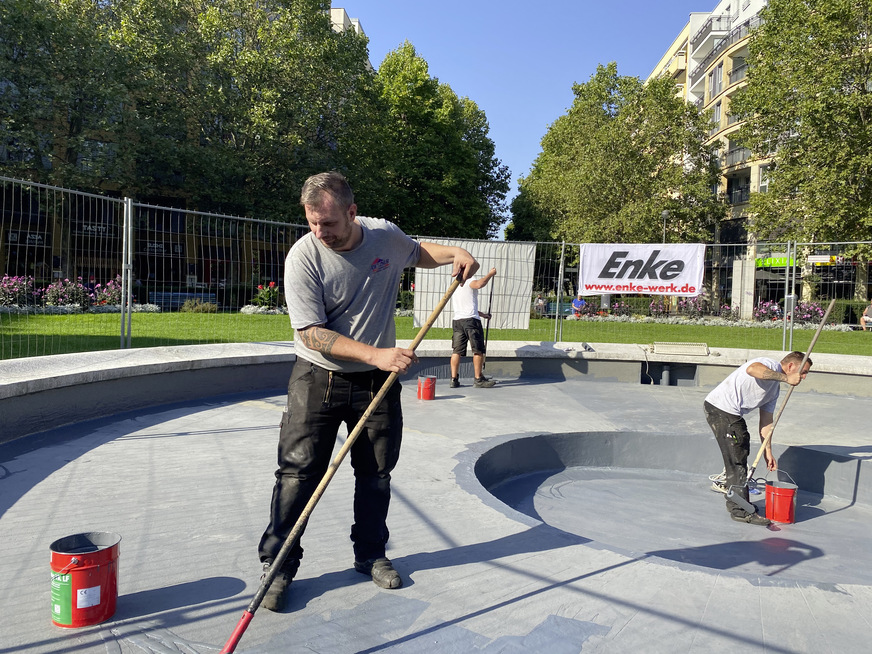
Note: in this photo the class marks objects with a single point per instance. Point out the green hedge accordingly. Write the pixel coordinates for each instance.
(846, 311)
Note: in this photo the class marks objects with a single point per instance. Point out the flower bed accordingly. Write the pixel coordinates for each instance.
(66, 309)
(711, 321)
(252, 309)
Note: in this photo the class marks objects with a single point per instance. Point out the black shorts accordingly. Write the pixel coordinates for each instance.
(466, 331)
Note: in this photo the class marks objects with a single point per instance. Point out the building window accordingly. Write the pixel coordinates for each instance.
(718, 81)
(764, 179)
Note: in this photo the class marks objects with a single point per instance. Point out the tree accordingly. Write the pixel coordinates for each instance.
(63, 101)
(229, 105)
(443, 177)
(808, 105)
(241, 100)
(623, 153)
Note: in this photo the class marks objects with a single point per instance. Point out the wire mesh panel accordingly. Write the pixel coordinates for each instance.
(211, 277)
(60, 255)
(207, 278)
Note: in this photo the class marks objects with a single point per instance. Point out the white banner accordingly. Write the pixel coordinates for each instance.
(644, 268)
(507, 296)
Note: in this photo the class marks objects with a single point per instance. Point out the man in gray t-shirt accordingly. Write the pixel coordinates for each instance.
(341, 282)
(754, 385)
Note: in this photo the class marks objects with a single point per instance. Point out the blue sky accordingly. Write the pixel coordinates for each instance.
(517, 60)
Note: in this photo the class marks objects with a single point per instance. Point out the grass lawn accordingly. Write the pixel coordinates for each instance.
(35, 335)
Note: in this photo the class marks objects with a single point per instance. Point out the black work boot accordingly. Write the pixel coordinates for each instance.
(381, 571)
(484, 382)
(751, 519)
(277, 594)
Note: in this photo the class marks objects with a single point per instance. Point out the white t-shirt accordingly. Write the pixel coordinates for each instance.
(464, 301)
(740, 393)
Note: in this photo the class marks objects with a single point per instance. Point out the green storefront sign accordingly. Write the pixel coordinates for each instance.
(773, 262)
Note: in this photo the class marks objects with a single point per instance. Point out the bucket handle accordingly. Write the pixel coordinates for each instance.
(779, 470)
(73, 563)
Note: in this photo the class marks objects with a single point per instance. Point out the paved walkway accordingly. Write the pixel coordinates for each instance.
(587, 560)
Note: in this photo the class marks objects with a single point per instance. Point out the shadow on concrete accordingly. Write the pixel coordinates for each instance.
(778, 553)
(540, 538)
(27, 461)
(157, 600)
(828, 472)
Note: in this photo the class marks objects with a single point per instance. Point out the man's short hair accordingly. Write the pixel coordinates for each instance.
(333, 183)
(795, 357)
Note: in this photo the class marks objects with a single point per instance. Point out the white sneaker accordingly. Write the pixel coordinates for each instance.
(719, 487)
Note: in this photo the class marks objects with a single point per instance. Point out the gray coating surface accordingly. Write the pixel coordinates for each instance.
(622, 560)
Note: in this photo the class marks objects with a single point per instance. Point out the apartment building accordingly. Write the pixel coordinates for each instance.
(707, 62)
(342, 22)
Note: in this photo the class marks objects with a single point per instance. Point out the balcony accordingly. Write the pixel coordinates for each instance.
(735, 157)
(739, 195)
(736, 35)
(714, 26)
(675, 66)
(738, 73)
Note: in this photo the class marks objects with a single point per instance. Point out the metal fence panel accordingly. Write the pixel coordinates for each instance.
(66, 252)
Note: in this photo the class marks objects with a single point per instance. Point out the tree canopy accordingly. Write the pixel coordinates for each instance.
(444, 177)
(228, 105)
(808, 104)
(625, 152)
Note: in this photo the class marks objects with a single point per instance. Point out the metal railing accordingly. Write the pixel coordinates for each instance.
(720, 23)
(735, 157)
(738, 73)
(735, 35)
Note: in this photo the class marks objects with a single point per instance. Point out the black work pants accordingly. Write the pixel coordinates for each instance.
(731, 434)
(319, 401)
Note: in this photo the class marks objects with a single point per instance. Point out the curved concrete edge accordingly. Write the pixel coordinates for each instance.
(41, 393)
(814, 471)
(35, 374)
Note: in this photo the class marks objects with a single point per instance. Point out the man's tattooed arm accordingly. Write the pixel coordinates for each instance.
(318, 338)
(760, 371)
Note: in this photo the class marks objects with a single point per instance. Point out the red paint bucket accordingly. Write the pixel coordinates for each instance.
(84, 578)
(426, 388)
(781, 501)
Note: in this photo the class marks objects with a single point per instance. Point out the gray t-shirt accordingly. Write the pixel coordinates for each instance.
(352, 293)
(740, 393)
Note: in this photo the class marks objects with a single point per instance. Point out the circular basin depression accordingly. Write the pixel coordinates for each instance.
(647, 495)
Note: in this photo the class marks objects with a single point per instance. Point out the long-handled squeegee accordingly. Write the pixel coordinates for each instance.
(274, 569)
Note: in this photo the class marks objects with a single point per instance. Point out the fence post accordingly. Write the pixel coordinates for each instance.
(787, 268)
(126, 273)
(124, 270)
(557, 325)
(130, 223)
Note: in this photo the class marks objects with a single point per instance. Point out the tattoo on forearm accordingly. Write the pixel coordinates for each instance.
(771, 374)
(318, 339)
